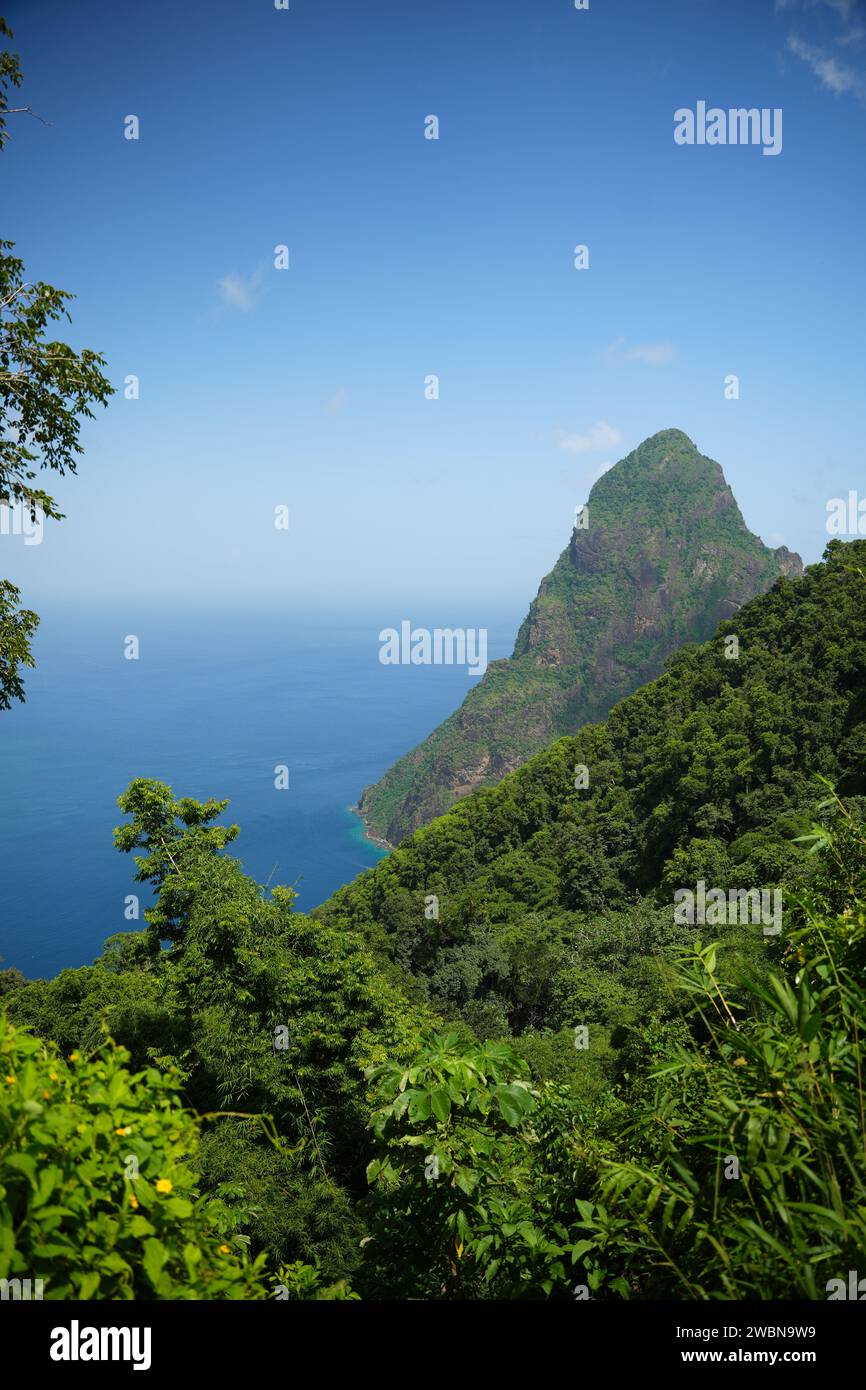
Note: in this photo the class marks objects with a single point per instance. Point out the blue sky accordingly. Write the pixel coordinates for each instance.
(410, 257)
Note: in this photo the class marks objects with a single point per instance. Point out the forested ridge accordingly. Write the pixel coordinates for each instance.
(707, 772)
(495, 1066)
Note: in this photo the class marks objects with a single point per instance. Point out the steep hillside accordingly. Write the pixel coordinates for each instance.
(709, 772)
(664, 558)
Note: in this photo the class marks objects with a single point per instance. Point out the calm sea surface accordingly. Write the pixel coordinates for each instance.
(214, 703)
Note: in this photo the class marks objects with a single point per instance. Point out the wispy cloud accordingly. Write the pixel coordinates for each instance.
(336, 403)
(241, 292)
(835, 76)
(598, 436)
(844, 8)
(652, 354)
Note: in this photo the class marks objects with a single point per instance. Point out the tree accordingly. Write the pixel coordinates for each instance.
(17, 626)
(269, 1012)
(456, 1210)
(46, 390)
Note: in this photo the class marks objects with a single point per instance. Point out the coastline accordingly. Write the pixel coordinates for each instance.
(378, 840)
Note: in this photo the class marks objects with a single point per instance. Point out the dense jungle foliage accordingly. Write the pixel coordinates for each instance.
(495, 1066)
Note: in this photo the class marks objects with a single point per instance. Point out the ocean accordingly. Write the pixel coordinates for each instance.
(215, 702)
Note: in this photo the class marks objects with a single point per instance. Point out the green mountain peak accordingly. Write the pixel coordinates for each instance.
(659, 557)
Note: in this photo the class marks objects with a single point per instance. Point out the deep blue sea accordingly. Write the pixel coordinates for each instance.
(216, 700)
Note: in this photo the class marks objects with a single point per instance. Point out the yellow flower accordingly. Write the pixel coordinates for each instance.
(73, 1056)
(133, 1200)
(123, 1129)
(10, 1080)
(224, 1250)
(164, 1185)
(46, 1095)
(52, 1076)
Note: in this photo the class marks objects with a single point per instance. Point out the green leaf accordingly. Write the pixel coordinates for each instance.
(466, 1180)
(419, 1106)
(509, 1109)
(88, 1284)
(441, 1104)
(140, 1226)
(24, 1163)
(155, 1256)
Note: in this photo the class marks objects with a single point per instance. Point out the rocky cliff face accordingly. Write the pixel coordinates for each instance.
(664, 558)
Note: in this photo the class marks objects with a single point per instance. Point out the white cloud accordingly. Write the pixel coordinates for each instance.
(598, 436)
(836, 77)
(337, 402)
(833, 75)
(240, 291)
(652, 354)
